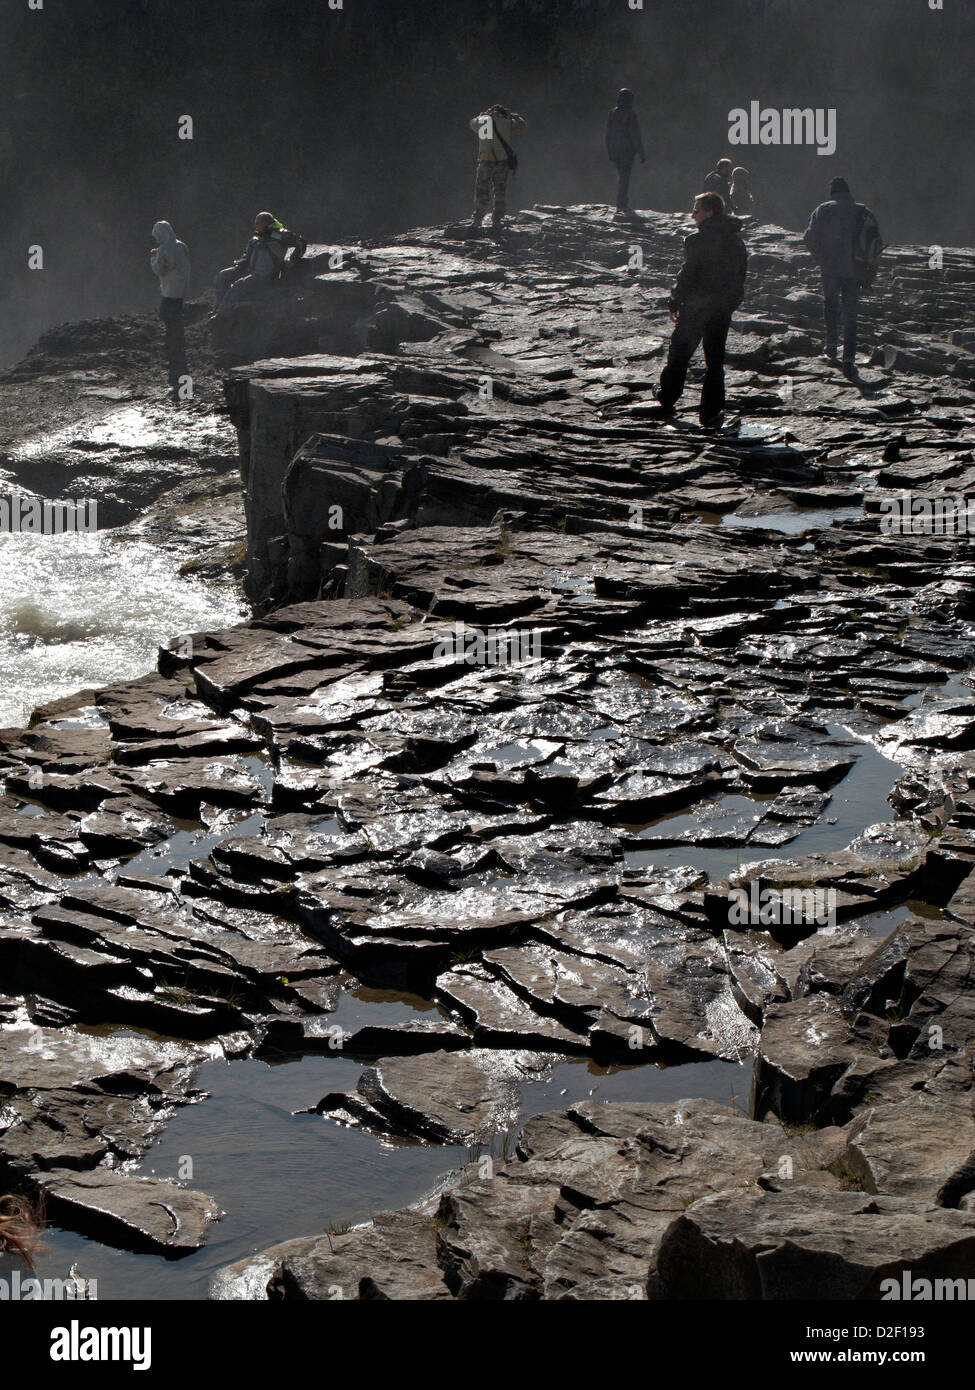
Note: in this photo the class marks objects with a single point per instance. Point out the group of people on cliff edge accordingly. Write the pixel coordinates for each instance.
(264, 261)
(842, 236)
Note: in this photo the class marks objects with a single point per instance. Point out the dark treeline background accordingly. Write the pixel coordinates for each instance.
(353, 122)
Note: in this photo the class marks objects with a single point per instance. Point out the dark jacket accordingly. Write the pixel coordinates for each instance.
(831, 236)
(264, 254)
(623, 139)
(715, 265)
(717, 183)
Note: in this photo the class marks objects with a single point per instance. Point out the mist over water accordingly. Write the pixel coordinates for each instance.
(80, 611)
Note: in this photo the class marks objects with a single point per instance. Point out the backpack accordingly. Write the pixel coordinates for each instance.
(512, 157)
(868, 246)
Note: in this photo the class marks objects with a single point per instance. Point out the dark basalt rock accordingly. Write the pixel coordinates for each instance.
(796, 1243)
(443, 1097)
(144, 1211)
(533, 669)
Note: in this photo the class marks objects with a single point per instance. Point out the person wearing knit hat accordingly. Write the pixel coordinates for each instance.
(261, 265)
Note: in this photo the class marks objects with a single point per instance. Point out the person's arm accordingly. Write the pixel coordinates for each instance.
(638, 138)
(811, 236)
(741, 270)
(297, 244)
(684, 283)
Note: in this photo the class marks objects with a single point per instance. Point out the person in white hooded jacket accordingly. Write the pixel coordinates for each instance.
(170, 262)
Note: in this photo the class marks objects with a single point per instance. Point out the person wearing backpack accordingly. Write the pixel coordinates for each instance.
(494, 129)
(261, 265)
(844, 239)
(623, 143)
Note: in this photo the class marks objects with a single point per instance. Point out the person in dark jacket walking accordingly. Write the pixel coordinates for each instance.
(260, 267)
(719, 180)
(708, 290)
(169, 261)
(832, 237)
(623, 143)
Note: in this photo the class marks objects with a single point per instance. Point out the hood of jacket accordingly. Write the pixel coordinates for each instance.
(720, 224)
(163, 233)
(624, 98)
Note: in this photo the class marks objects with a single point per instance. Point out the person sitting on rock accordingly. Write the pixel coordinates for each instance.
(261, 265)
(708, 290)
(719, 181)
(742, 197)
(623, 143)
(494, 129)
(170, 261)
(832, 237)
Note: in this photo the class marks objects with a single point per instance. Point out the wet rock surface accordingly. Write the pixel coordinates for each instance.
(541, 691)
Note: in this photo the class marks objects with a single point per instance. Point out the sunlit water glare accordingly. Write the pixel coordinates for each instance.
(83, 610)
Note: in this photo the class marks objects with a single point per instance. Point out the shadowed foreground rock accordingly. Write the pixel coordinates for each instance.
(612, 1201)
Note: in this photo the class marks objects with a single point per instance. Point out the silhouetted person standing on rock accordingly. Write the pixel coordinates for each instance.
(494, 129)
(843, 237)
(623, 143)
(719, 181)
(170, 261)
(742, 198)
(708, 290)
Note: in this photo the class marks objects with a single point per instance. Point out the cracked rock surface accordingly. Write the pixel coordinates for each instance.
(563, 687)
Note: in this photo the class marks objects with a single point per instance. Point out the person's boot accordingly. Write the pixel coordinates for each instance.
(667, 409)
(829, 352)
(712, 422)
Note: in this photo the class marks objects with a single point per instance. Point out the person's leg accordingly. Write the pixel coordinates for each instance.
(482, 192)
(683, 342)
(225, 278)
(247, 287)
(831, 311)
(850, 291)
(171, 313)
(715, 337)
(625, 168)
(500, 182)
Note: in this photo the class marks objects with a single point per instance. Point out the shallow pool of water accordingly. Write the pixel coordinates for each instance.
(858, 801)
(793, 521)
(279, 1174)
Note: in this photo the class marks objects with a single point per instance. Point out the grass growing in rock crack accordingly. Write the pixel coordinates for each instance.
(791, 1131)
(336, 1228)
(849, 1180)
